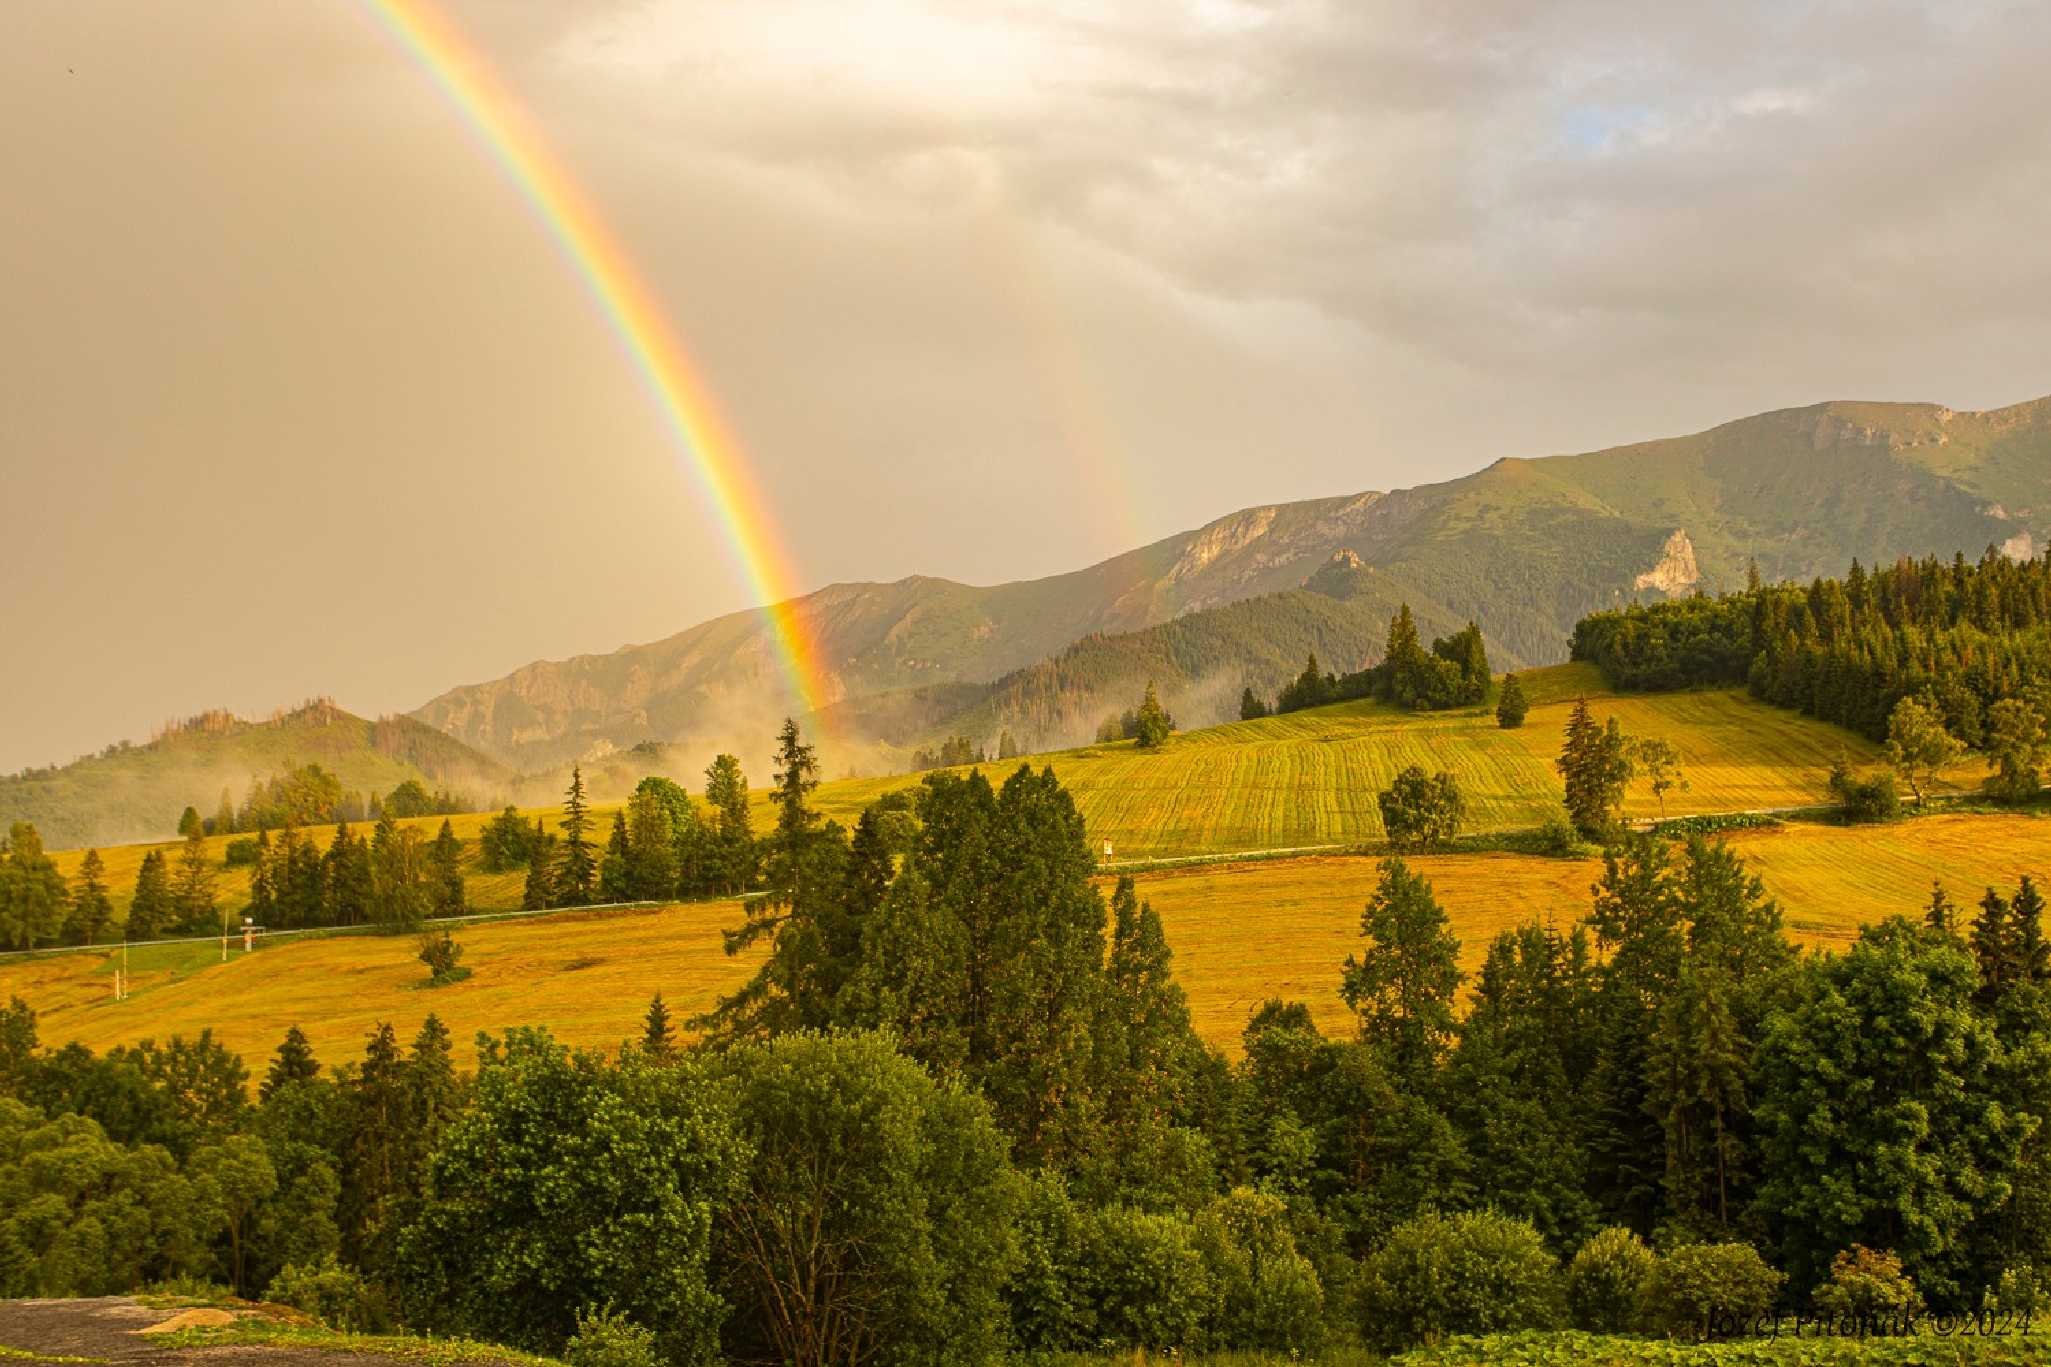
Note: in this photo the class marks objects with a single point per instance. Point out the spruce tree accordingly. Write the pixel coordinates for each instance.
(577, 873)
(194, 892)
(91, 908)
(263, 883)
(658, 1036)
(1511, 705)
(540, 890)
(1402, 986)
(1993, 943)
(1941, 915)
(224, 817)
(445, 872)
(189, 823)
(612, 869)
(1251, 708)
(294, 1062)
(1595, 764)
(733, 855)
(1153, 723)
(149, 912)
(2029, 955)
(650, 857)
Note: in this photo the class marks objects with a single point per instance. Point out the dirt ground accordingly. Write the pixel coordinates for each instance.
(106, 1330)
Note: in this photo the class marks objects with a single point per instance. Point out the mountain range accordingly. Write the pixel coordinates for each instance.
(1524, 547)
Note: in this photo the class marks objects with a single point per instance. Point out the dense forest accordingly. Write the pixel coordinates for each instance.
(960, 1102)
(1961, 636)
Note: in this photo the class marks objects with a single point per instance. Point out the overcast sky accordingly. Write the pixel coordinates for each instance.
(296, 396)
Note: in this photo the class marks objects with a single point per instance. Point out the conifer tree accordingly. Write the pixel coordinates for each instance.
(1595, 764)
(1941, 914)
(1993, 943)
(658, 1036)
(1153, 723)
(91, 908)
(294, 1062)
(1511, 705)
(576, 878)
(1251, 708)
(2029, 955)
(540, 889)
(263, 883)
(1402, 986)
(612, 869)
(224, 817)
(445, 872)
(650, 856)
(189, 822)
(194, 891)
(149, 912)
(734, 857)
(346, 879)
(1007, 748)
(33, 898)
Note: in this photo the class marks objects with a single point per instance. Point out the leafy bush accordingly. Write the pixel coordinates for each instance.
(1147, 1280)
(1606, 1282)
(1474, 1273)
(1715, 823)
(605, 1338)
(1266, 1293)
(240, 852)
(1695, 1283)
(1420, 810)
(333, 1294)
(1864, 799)
(1867, 1286)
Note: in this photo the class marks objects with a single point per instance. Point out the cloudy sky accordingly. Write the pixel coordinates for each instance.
(297, 397)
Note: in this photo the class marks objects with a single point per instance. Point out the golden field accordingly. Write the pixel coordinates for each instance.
(1241, 933)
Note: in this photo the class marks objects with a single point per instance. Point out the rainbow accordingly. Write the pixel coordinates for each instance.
(630, 308)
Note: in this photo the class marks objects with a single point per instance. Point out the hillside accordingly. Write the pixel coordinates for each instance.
(1525, 547)
(588, 975)
(133, 792)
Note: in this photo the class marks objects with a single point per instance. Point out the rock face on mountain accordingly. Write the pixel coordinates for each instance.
(1524, 547)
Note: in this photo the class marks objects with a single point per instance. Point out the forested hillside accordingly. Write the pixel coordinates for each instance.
(132, 792)
(1525, 548)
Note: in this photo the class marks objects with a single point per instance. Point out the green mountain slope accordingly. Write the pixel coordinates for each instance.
(1525, 547)
(135, 792)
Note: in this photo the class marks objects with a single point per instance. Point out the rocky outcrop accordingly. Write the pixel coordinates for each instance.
(1676, 570)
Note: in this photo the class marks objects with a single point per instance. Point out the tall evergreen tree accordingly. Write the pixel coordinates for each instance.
(294, 1062)
(1595, 764)
(151, 909)
(33, 898)
(445, 872)
(612, 869)
(1152, 723)
(1403, 984)
(540, 890)
(658, 1036)
(91, 908)
(1251, 707)
(1941, 913)
(346, 889)
(734, 855)
(576, 879)
(194, 890)
(650, 857)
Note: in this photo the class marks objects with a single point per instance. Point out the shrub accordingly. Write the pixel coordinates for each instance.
(1265, 1293)
(1606, 1282)
(333, 1294)
(1557, 836)
(1147, 1280)
(1697, 1283)
(240, 852)
(605, 1338)
(1475, 1273)
(1049, 1301)
(2023, 1289)
(1867, 1286)
(1420, 810)
(1864, 799)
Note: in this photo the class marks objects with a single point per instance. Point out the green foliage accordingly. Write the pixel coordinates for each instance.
(954, 752)
(1251, 706)
(1867, 1287)
(874, 1206)
(1151, 724)
(507, 842)
(440, 952)
(2015, 742)
(1918, 746)
(608, 1339)
(570, 1183)
(1473, 1273)
(1595, 762)
(1264, 1292)
(1511, 704)
(1715, 823)
(336, 1295)
(1608, 1280)
(1864, 799)
(1420, 811)
(33, 899)
(1695, 1285)
(575, 881)
(1403, 984)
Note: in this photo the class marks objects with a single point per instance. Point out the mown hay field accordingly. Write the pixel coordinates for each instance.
(1241, 933)
(1307, 779)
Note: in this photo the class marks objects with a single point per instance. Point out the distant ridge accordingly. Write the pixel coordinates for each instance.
(1524, 546)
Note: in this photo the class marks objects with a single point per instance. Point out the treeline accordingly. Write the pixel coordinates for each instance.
(962, 1102)
(660, 846)
(1454, 673)
(956, 751)
(310, 796)
(1961, 636)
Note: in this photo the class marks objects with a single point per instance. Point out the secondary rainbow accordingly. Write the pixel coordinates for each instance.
(517, 144)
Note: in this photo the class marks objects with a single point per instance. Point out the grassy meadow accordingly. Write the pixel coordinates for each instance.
(1241, 933)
